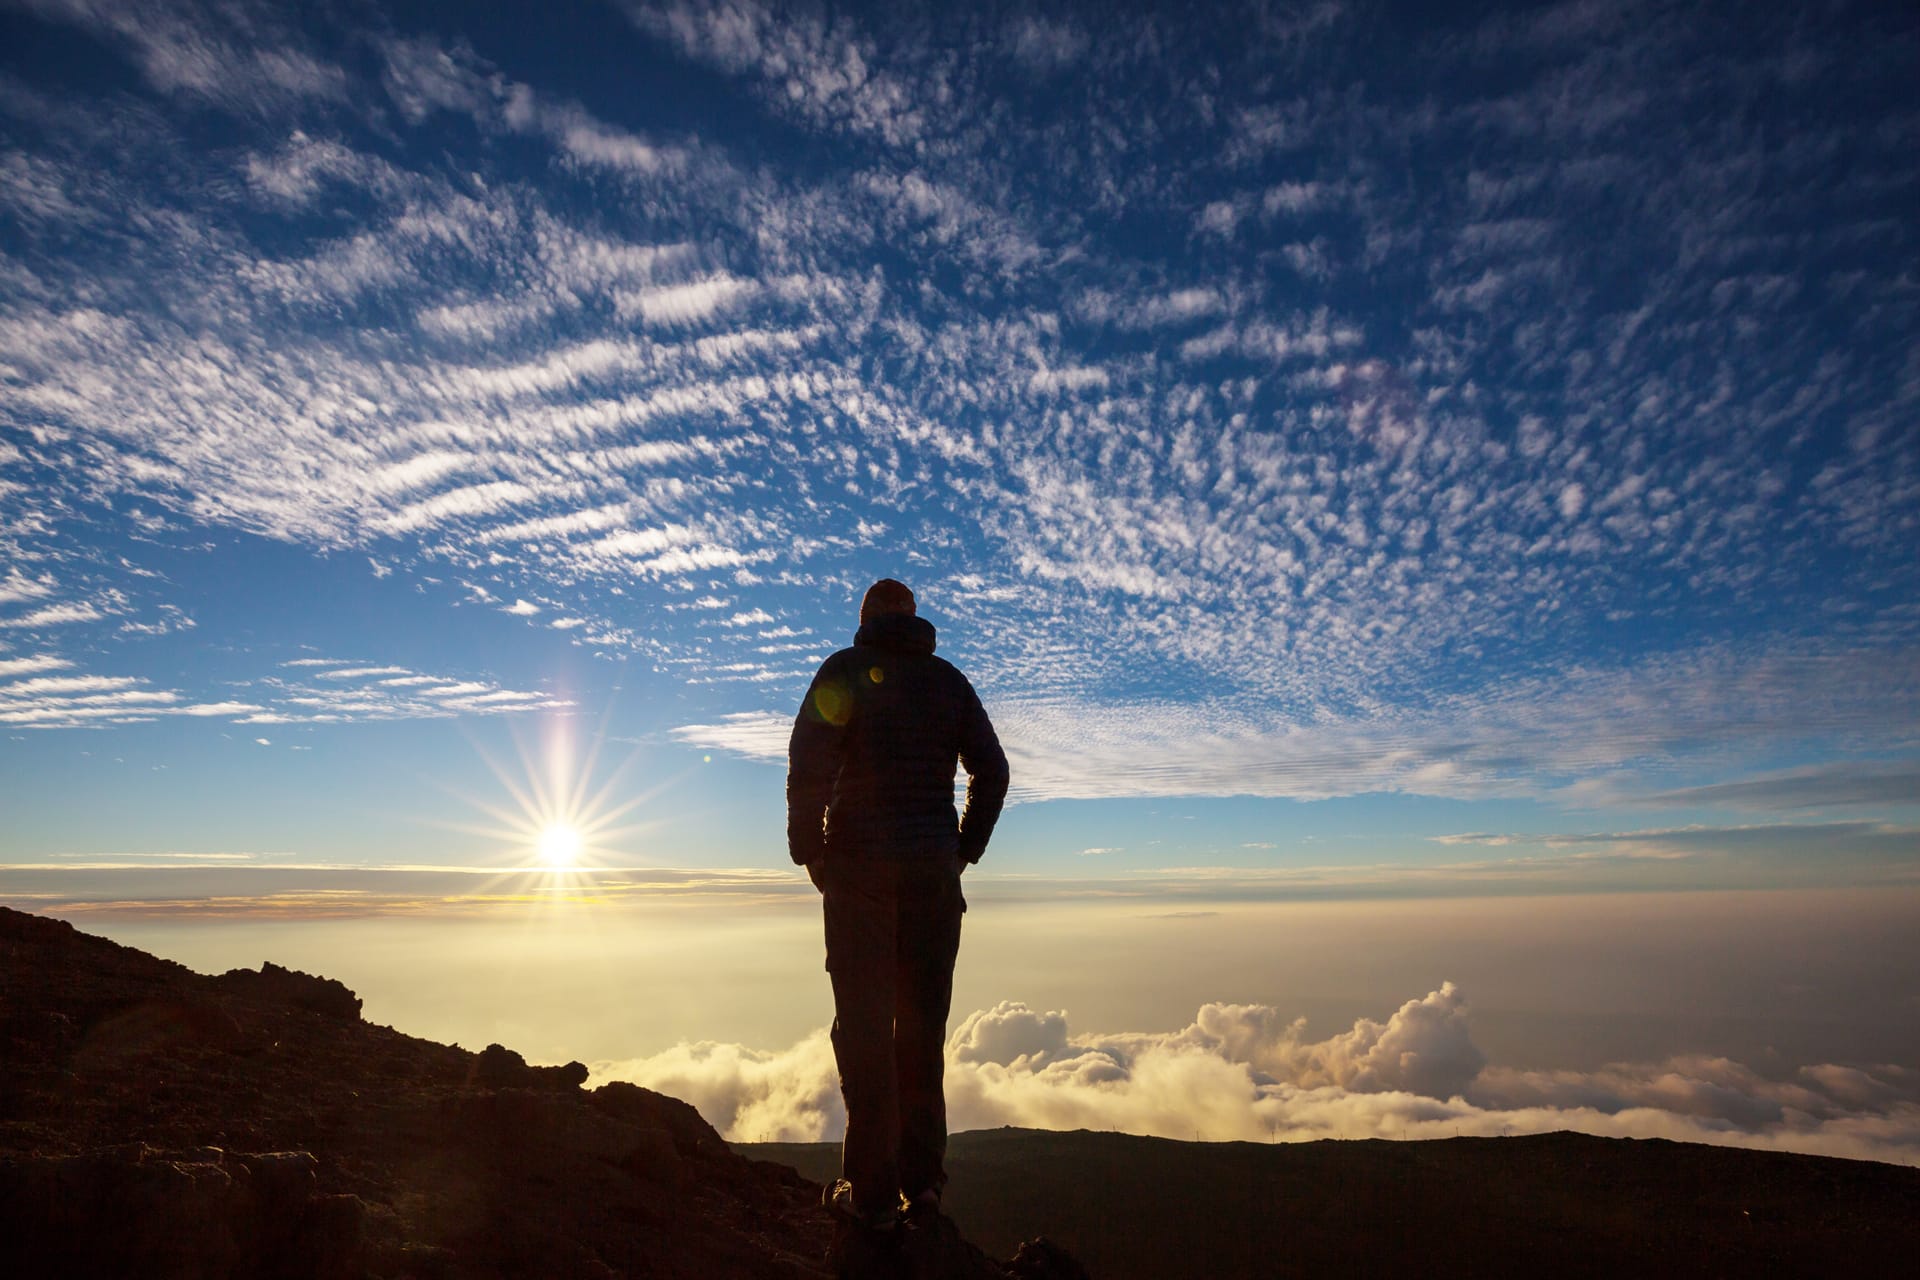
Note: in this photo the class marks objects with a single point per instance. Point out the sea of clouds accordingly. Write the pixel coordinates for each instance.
(1249, 1073)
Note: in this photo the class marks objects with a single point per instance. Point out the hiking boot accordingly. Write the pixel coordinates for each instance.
(838, 1200)
(866, 1246)
(923, 1218)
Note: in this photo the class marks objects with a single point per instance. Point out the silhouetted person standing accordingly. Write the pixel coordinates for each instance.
(870, 815)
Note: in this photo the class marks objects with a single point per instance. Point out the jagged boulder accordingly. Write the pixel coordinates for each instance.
(690, 1135)
(498, 1067)
(326, 996)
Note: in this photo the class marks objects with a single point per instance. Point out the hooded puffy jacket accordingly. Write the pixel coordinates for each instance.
(871, 760)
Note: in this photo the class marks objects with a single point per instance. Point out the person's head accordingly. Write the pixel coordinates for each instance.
(884, 597)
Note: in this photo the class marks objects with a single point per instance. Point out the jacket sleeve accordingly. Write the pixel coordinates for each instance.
(814, 754)
(986, 766)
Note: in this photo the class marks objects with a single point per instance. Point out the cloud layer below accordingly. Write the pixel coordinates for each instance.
(1248, 1073)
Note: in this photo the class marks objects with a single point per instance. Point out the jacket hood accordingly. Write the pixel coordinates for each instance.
(902, 632)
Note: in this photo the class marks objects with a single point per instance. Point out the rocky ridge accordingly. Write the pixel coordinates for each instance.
(163, 1123)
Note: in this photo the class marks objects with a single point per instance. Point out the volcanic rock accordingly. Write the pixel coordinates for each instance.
(156, 1122)
(500, 1067)
(301, 990)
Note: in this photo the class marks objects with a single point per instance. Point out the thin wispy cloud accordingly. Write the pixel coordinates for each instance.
(112, 888)
(325, 691)
(1531, 739)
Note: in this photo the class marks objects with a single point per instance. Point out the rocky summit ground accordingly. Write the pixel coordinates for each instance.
(164, 1124)
(1553, 1204)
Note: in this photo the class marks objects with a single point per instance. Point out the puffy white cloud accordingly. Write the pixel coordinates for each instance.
(1045, 45)
(820, 71)
(684, 304)
(1008, 1034)
(55, 615)
(18, 586)
(759, 735)
(1572, 501)
(1219, 217)
(37, 662)
(93, 701)
(1247, 1072)
(747, 1094)
(1076, 378)
(244, 59)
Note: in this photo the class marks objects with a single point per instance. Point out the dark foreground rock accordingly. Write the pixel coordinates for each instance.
(159, 1123)
(1555, 1204)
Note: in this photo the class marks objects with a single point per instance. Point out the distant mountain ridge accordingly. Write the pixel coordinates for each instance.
(159, 1123)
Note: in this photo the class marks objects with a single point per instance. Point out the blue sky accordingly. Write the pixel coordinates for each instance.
(1354, 449)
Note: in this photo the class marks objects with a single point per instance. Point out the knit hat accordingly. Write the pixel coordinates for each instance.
(886, 596)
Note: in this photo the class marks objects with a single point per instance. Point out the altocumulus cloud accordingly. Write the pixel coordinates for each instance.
(1608, 392)
(1248, 1073)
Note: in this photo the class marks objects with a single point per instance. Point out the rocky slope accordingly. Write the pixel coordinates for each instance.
(160, 1123)
(1555, 1204)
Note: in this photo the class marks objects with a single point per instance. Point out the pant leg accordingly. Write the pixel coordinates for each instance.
(861, 926)
(927, 942)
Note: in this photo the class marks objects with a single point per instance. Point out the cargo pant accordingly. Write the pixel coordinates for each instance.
(893, 930)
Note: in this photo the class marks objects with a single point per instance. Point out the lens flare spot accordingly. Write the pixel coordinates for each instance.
(832, 703)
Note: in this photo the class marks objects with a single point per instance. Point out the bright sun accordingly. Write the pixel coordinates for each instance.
(559, 845)
(550, 819)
